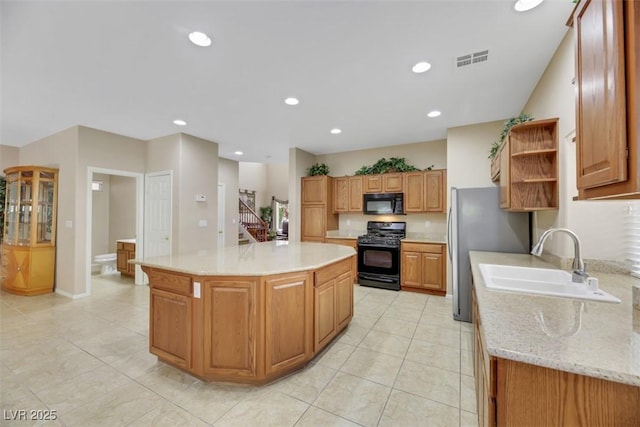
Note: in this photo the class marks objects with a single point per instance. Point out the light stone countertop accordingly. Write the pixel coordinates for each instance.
(126, 241)
(258, 259)
(596, 339)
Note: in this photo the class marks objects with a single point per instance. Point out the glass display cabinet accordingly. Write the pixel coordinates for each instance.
(29, 242)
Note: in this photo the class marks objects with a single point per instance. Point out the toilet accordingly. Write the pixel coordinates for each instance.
(107, 263)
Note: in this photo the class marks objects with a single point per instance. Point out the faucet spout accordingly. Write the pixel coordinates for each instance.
(578, 266)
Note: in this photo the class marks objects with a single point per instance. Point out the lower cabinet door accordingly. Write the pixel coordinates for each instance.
(288, 316)
(344, 300)
(230, 327)
(325, 314)
(412, 269)
(170, 326)
(432, 277)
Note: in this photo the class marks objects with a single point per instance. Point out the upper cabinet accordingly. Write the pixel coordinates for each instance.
(607, 116)
(316, 211)
(347, 191)
(385, 183)
(529, 167)
(424, 191)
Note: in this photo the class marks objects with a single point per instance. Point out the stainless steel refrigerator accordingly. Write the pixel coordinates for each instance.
(476, 223)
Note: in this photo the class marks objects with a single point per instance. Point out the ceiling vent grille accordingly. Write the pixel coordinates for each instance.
(472, 58)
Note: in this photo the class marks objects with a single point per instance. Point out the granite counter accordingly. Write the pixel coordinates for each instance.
(595, 339)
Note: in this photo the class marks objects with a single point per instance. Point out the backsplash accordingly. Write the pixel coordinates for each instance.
(431, 223)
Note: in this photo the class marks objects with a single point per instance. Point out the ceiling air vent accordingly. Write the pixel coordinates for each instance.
(472, 58)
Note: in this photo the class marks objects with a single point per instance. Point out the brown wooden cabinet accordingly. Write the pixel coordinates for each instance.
(424, 191)
(511, 393)
(230, 334)
(347, 194)
(249, 329)
(125, 251)
(529, 167)
(316, 211)
(288, 321)
(607, 113)
(423, 267)
(171, 317)
(333, 301)
(29, 242)
(385, 183)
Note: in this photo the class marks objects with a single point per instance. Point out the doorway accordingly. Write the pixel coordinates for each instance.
(137, 203)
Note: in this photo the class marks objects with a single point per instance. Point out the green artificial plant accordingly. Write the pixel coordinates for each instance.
(522, 118)
(394, 164)
(318, 169)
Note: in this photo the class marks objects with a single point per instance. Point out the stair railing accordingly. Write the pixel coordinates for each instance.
(252, 222)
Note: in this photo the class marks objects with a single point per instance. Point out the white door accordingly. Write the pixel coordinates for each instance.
(221, 237)
(157, 214)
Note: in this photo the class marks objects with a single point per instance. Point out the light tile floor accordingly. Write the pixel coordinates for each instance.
(403, 361)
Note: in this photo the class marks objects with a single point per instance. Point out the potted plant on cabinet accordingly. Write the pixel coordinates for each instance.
(495, 146)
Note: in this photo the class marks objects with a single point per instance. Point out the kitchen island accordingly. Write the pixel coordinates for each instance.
(554, 361)
(249, 313)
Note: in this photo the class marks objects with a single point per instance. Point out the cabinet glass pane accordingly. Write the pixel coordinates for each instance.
(11, 210)
(45, 212)
(24, 213)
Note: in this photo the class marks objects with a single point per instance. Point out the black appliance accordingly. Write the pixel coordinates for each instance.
(383, 204)
(379, 254)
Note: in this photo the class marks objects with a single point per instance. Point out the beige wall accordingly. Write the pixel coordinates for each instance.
(468, 147)
(600, 224)
(104, 150)
(9, 156)
(198, 175)
(122, 210)
(60, 151)
(420, 155)
(253, 177)
(228, 175)
(278, 180)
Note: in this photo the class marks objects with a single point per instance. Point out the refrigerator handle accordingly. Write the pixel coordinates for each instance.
(449, 236)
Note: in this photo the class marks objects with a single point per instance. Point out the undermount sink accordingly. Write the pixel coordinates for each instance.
(540, 281)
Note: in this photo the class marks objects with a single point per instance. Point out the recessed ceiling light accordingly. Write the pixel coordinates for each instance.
(421, 67)
(238, 153)
(179, 122)
(434, 113)
(335, 131)
(199, 39)
(291, 101)
(524, 5)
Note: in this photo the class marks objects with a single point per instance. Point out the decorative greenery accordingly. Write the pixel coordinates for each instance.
(3, 194)
(522, 118)
(318, 169)
(394, 164)
(266, 214)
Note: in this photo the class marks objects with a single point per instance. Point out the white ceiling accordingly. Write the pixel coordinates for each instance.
(128, 68)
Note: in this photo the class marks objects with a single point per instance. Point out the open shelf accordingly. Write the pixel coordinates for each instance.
(529, 167)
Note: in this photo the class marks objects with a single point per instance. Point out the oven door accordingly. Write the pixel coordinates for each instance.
(379, 266)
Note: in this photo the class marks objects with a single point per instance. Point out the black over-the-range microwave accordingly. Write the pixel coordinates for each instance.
(383, 204)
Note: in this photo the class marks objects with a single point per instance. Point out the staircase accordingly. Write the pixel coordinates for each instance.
(252, 223)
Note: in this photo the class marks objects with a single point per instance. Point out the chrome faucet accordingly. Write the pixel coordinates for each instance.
(579, 270)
